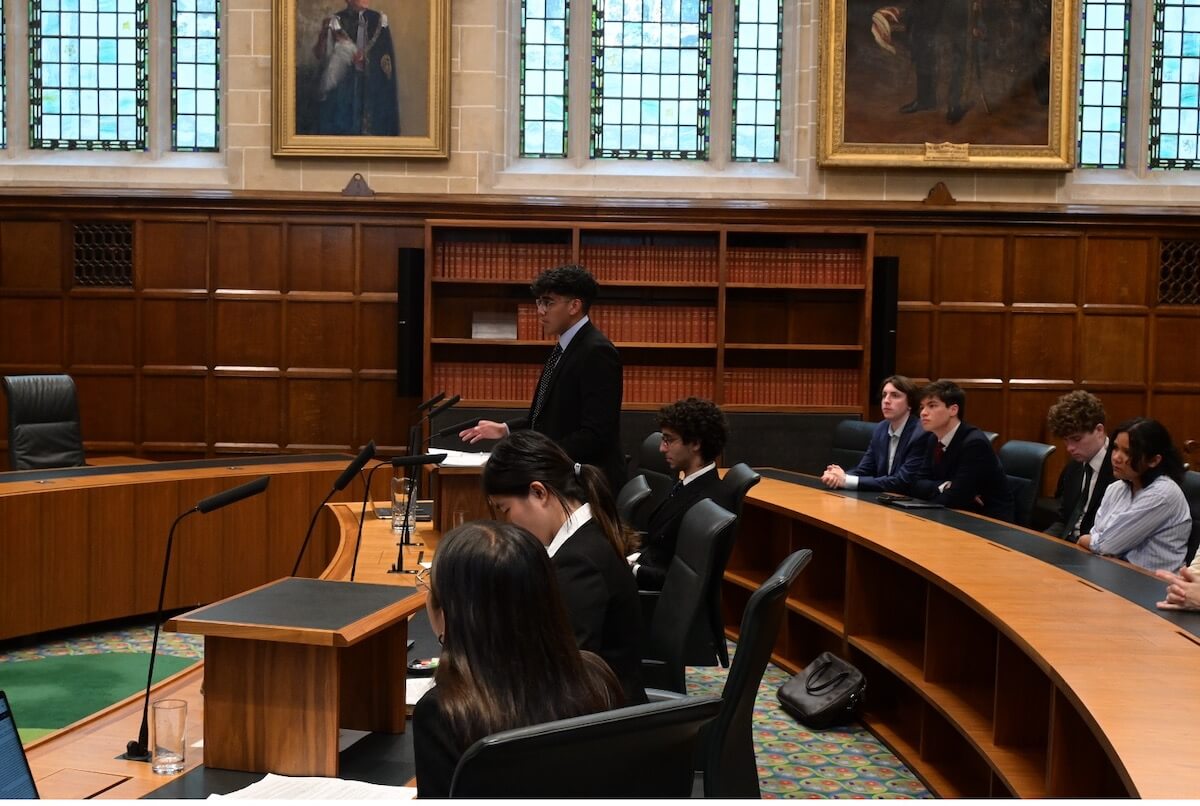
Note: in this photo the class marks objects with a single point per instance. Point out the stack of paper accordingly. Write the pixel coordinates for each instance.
(283, 787)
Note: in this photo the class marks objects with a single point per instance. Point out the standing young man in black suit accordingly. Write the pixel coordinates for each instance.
(1077, 418)
(961, 470)
(693, 435)
(577, 402)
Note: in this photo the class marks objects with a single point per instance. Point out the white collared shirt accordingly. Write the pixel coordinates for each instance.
(570, 526)
(569, 333)
(894, 432)
(689, 478)
(946, 440)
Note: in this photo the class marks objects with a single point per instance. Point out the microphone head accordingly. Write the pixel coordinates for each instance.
(356, 464)
(232, 496)
(445, 406)
(431, 402)
(419, 459)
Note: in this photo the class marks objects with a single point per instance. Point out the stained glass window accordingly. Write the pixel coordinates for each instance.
(651, 65)
(88, 82)
(1104, 83)
(757, 49)
(544, 55)
(195, 74)
(1175, 84)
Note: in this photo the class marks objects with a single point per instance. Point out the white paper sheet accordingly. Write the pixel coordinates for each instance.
(283, 787)
(415, 688)
(461, 458)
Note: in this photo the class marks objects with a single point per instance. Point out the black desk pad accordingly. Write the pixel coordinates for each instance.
(315, 604)
(9, 477)
(1121, 580)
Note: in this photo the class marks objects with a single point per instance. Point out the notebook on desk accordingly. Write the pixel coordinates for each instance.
(905, 501)
(16, 779)
(423, 508)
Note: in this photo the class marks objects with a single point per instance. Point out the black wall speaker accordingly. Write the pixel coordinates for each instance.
(410, 316)
(886, 290)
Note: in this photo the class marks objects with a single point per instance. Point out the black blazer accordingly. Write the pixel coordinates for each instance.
(1070, 485)
(435, 749)
(602, 603)
(662, 532)
(973, 469)
(582, 410)
(872, 469)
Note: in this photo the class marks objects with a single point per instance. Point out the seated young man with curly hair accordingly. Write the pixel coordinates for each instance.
(1077, 418)
(693, 435)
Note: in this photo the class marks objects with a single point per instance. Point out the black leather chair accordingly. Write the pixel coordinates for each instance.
(736, 482)
(631, 501)
(43, 422)
(1191, 491)
(1024, 463)
(992, 436)
(851, 439)
(645, 751)
(727, 759)
(682, 599)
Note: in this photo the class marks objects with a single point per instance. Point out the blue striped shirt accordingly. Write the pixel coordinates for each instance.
(1149, 529)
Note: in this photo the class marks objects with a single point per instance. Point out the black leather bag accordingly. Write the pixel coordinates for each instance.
(826, 693)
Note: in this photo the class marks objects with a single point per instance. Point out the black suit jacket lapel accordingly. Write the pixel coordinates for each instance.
(570, 356)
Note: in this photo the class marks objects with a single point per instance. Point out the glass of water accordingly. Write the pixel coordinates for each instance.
(170, 736)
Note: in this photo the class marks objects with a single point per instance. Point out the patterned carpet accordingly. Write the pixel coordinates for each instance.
(794, 762)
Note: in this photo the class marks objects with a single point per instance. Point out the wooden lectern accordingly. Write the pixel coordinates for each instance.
(288, 664)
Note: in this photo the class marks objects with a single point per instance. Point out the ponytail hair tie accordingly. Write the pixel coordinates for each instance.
(578, 469)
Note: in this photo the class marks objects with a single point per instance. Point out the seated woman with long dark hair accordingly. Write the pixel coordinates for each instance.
(508, 659)
(568, 507)
(1145, 519)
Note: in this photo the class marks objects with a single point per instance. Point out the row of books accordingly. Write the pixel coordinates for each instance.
(770, 386)
(778, 266)
(650, 264)
(474, 260)
(674, 324)
(802, 386)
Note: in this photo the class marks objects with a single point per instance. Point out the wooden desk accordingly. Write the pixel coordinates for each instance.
(458, 488)
(291, 662)
(989, 672)
(84, 548)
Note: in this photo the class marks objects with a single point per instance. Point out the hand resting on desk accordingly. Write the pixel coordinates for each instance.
(1183, 590)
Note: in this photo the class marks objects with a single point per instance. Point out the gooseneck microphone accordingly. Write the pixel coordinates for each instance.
(398, 461)
(352, 470)
(138, 749)
(449, 404)
(458, 427)
(431, 402)
(409, 461)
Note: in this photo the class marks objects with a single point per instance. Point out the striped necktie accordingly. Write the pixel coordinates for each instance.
(544, 384)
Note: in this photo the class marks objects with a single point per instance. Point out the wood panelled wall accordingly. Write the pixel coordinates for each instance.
(262, 324)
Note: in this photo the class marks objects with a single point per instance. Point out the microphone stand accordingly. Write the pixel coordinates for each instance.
(405, 530)
(362, 516)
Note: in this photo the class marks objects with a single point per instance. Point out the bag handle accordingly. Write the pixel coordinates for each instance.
(811, 681)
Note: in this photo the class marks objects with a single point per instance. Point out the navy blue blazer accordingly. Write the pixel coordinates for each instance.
(973, 469)
(872, 472)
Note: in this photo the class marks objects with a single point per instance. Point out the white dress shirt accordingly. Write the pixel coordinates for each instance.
(894, 432)
(1149, 529)
(570, 526)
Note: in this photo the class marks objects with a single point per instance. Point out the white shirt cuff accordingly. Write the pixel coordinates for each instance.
(851, 482)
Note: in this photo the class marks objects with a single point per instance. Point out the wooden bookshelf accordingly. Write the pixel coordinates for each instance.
(990, 674)
(756, 318)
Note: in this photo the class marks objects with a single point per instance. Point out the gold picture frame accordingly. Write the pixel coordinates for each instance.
(381, 92)
(948, 84)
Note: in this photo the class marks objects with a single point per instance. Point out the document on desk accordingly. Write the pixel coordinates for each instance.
(462, 458)
(283, 787)
(415, 688)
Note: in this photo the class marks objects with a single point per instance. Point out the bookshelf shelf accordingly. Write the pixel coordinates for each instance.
(770, 319)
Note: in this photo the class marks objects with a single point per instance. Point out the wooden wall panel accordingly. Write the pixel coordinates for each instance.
(377, 333)
(381, 253)
(320, 414)
(1121, 406)
(247, 413)
(969, 345)
(382, 416)
(971, 268)
(106, 409)
(1044, 269)
(155, 507)
(320, 334)
(101, 331)
(197, 581)
(1114, 349)
(31, 334)
(248, 334)
(914, 336)
(62, 531)
(916, 263)
(110, 553)
(985, 409)
(174, 254)
(31, 255)
(1176, 349)
(248, 256)
(1042, 347)
(173, 411)
(1117, 270)
(1180, 413)
(175, 332)
(320, 257)
(243, 534)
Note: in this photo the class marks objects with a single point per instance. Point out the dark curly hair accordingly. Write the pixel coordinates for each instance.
(572, 281)
(697, 420)
(1075, 412)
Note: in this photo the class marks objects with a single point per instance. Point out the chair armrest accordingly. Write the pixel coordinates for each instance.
(649, 601)
(663, 695)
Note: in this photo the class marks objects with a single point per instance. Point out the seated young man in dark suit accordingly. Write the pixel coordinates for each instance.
(961, 471)
(898, 445)
(1077, 418)
(693, 436)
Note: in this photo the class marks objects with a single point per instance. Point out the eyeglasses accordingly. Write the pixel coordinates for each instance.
(422, 579)
(546, 303)
(669, 440)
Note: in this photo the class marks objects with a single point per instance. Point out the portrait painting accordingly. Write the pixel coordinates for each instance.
(361, 78)
(948, 83)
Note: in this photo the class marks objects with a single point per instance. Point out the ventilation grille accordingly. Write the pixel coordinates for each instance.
(1179, 273)
(104, 254)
